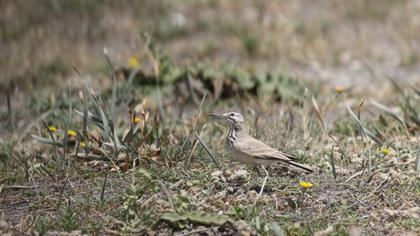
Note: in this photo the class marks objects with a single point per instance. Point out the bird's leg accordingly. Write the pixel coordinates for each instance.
(265, 180)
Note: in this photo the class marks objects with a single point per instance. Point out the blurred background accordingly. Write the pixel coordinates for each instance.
(350, 44)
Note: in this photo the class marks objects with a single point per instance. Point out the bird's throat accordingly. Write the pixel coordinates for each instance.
(233, 135)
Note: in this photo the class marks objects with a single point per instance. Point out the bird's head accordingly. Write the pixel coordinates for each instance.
(234, 119)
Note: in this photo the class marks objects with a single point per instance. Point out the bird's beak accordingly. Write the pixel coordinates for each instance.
(217, 116)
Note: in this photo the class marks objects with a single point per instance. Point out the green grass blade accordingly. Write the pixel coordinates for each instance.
(114, 84)
(47, 141)
(365, 130)
(390, 112)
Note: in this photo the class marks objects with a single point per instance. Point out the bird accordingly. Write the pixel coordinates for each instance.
(249, 150)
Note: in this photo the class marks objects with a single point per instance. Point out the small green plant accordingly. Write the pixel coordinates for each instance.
(252, 214)
(69, 219)
(43, 224)
(144, 182)
(249, 43)
(181, 220)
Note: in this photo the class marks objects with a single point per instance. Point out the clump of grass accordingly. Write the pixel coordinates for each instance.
(249, 43)
(43, 224)
(69, 220)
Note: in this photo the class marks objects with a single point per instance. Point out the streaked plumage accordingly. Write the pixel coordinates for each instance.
(249, 150)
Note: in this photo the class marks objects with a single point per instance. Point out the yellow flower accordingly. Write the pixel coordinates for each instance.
(339, 89)
(52, 129)
(82, 144)
(133, 62)
(385, 151)
(304, 184)
(136, 120)
(71, 133)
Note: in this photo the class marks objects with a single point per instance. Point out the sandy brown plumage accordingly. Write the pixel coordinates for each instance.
(250, 150)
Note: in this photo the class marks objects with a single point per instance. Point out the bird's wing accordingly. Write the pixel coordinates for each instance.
(258, 149)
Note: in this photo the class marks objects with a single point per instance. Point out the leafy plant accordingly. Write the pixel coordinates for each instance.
(179, 220)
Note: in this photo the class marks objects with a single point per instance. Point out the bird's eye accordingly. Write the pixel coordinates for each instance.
(231, 114)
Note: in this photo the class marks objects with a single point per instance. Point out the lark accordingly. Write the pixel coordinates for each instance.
(249, 150)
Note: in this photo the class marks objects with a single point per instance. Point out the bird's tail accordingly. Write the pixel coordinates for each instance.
(301, 166)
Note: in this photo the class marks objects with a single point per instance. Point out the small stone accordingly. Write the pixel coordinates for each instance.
(240, 174)
(244, 229)
(355, 231)
(217, 173)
